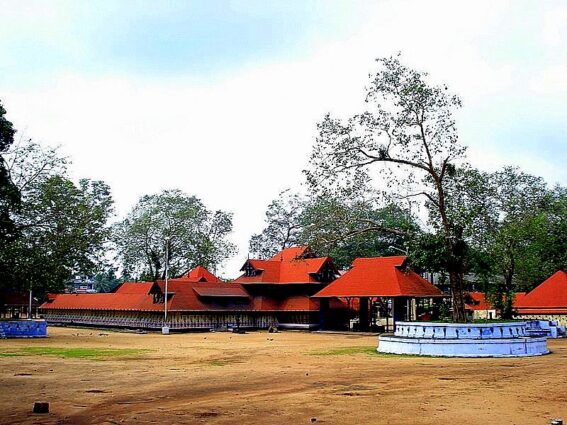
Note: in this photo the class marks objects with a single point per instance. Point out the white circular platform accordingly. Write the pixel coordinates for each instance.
(462, 340)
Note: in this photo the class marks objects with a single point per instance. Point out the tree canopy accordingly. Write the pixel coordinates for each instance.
(194, 235)
(408, 134)
(62, 226)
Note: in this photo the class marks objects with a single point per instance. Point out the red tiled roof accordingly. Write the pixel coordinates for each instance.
(110, 301)
(134, 288)
(289, 254)
(549, 295)
(286, 267)
(477, 301)
(543, 311)
(293, 303)
(201, 274)
(380, 277)
(220, 292)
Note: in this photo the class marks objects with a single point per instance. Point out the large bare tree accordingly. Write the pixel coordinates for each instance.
(408, 135)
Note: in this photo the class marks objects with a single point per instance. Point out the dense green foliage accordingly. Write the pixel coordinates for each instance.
(337, 227)
(193, 234)
(9, 194)
(61, 226)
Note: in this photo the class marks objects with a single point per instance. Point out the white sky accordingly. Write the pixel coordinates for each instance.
(238, 133)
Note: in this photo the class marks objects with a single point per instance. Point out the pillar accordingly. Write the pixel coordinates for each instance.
(323, 312)
(363, 316)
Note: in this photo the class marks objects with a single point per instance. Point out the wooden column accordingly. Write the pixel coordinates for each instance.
(363, 317)
(323, 312)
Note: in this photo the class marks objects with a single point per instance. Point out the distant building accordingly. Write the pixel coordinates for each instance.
(80, 285)
(548, 301)
(477, 306)
(16, 305)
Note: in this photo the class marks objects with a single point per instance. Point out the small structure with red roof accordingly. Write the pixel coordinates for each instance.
(548, 301)
(378, 278)
(477, 305)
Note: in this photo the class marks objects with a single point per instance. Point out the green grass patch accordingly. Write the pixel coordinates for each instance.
(371, 351)
(344, 351)
(75, 353)
(216, 363)
(9, 354)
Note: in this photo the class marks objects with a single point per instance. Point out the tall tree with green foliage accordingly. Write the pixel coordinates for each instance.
(9, 194)
(407, 134)
(62, 226)
(343, 228)
(194, 235)
(337, 227)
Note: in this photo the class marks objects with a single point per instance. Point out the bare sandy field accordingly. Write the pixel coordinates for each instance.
(260, 378)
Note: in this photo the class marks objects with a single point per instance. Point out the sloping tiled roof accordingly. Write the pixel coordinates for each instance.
(134, 288)
(286, 267)
(110, 301)
(477, 301)
(289, 254)
(380, 277)
(201, 274)
(551, 295)
(224, 291)
(293, 303)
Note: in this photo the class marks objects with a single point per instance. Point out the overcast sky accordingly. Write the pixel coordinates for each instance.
(221, 98)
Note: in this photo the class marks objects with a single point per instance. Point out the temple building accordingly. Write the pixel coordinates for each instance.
(273, 292)
(289, 279)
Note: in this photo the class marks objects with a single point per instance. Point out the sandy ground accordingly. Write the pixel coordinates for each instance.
(261, 378)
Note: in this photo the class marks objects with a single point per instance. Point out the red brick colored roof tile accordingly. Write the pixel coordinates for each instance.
(220, 292)
(134, 288)
(201, 274)
(477, 301)
(549, 295)
(289, 254)
(286, 267)
(380, 277)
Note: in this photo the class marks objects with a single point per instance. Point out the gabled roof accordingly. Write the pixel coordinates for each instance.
(286, 272)
(291, 265)
(292, 253)
(200, 274)
(477, 301)
(134, 288)
(550, 295)
(380, 277)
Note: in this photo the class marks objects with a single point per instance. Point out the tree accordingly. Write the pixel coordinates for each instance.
(409, 135)
(106, 280)
(330, 226)
(194, 236)
(9, 194)
(519, 201)
(283, 225)
(339, 228)
(63, 230)
(62, 226)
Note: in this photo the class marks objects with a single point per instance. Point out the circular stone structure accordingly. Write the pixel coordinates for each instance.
(462, 340)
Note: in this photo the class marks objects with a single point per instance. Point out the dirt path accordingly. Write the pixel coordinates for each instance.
(260, 378)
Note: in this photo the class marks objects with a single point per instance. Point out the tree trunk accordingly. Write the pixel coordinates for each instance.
(457, 297)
